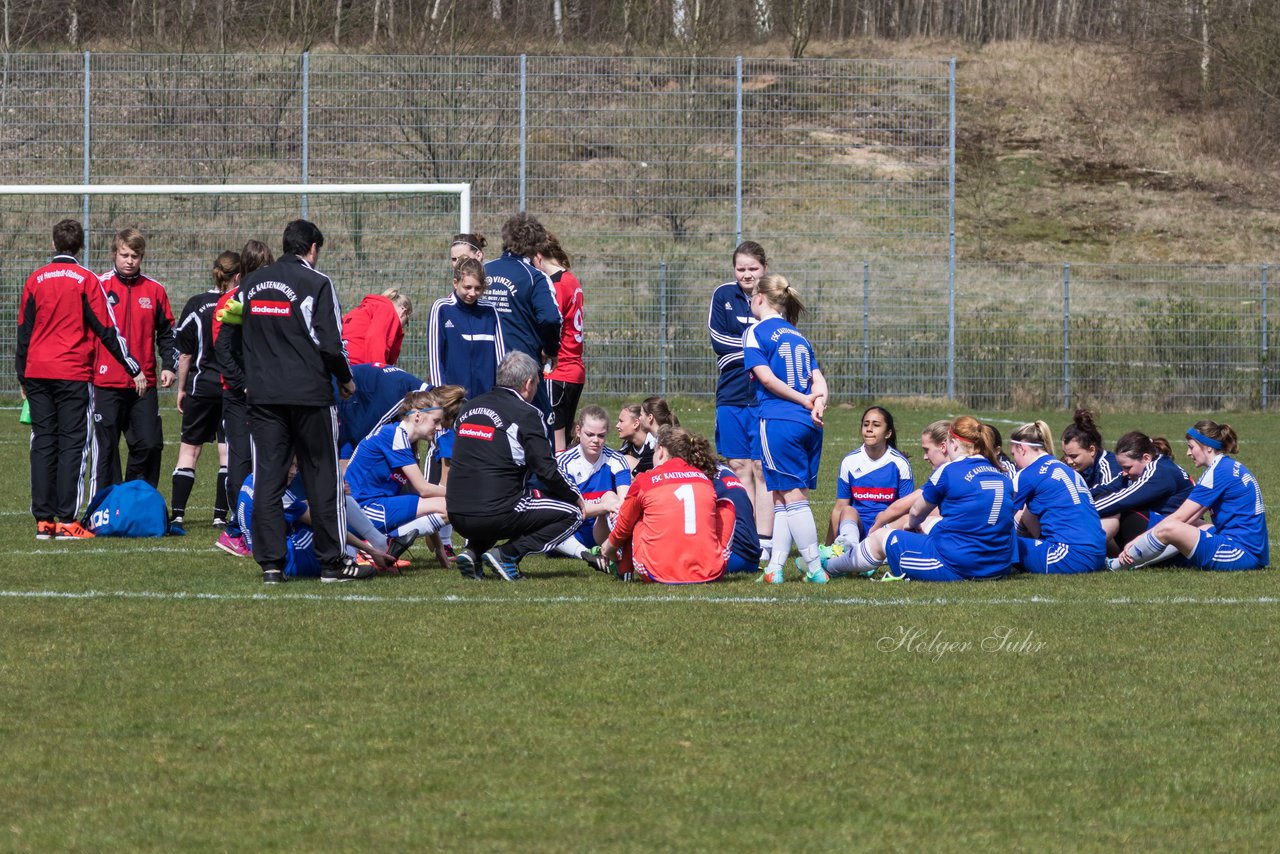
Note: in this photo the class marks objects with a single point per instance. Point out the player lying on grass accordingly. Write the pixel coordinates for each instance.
(1059, 529)
(1237, 537)
(671, 528)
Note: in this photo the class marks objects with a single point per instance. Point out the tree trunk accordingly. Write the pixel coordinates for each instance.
(495, 9)
(557, 19)
(337, 23)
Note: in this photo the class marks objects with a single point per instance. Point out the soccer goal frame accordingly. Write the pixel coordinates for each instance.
(462, 191)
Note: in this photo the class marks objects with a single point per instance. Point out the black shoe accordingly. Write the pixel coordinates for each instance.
(468, 567)
(273, 576)
(397, 546)
(347, 570)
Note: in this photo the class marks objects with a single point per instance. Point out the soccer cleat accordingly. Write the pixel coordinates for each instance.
(72, 531)
(397, 546)
(219, 521)
(889, 576)
(273, 576)
(826, 553)
(770, 576)
(599, 562)
(46, 530)
(506, 568)
(1113, 564)
(450, 555)
(817, 577)
(346, 570)
(468, 567)
(177, 527)
(235, 546)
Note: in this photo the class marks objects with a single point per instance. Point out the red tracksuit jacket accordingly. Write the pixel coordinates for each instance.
(142, 314)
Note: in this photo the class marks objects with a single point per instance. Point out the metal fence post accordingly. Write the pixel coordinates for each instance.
(866, 329)
(1266, 273)
(662, 323)
(84, 210)
(951, 232)
(306, 124)
(524, 153)
(1066, 336)
(737, 158)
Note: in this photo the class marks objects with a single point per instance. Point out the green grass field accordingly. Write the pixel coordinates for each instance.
(156, 696)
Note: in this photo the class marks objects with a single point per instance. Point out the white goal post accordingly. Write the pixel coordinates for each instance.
(462, 191)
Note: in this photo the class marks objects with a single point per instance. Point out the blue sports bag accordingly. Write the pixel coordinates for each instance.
(130, 509)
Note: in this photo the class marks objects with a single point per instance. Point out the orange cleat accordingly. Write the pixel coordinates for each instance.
(73, 531)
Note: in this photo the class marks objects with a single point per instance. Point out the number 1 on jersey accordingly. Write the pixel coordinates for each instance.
(685, 495)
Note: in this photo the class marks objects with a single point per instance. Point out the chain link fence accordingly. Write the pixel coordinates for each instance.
(650, 170)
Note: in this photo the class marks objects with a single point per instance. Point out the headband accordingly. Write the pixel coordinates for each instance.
(1193, 433)
(1027, 444)
(961, 438)
(464, 243)
(428, 409)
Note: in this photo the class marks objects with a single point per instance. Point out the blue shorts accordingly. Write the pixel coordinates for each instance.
(390, 513)
(1221, 553)
(916, 556)
(738, 563)
(738, 432)
(1048, 558)
(585, 534)
(791, 451)
(300, 559)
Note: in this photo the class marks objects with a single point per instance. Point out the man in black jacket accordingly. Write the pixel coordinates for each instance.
(500, 439)
(291, 345)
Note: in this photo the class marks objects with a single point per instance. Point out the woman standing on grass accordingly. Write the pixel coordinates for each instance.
(1062, 531)
(1237, 538)
(737, 416)
(565, 381)
(792, 396)
(1082, 450)
(974, 537)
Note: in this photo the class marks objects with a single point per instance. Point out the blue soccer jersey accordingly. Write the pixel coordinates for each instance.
(975, 536)
(295, 504)
(1104, 476)
(379, 390)
(1233, 498)
(1161, 488)
(375, 467)
(746, 540)
(870, 485)
(464, 345)
(781, 348)
(1060, 500)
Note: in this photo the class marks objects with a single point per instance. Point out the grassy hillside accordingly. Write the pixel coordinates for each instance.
(1074, 152)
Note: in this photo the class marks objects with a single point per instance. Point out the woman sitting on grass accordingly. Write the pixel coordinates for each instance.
(1059, 531)
(387, 482)
(1237, 538)
(671, 528)
(872, 477)
(973, 539)
(1154, 486)
(1082, 450)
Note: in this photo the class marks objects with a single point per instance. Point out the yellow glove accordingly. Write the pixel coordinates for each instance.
(231, 312)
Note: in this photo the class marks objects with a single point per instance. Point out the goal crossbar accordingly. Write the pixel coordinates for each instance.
(463, 191)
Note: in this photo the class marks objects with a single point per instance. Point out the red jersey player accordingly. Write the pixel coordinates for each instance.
(569, 374)
(671, 528)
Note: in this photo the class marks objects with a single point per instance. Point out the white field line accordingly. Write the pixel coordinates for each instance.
(90, 550)
(451, 599)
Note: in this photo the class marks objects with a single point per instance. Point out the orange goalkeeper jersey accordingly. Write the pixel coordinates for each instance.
(678, 532)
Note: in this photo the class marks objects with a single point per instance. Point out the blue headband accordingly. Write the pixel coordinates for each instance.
(1193, 433)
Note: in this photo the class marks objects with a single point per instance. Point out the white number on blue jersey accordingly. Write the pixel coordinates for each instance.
(799, 362)
(1069, 482)
(996, 488)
